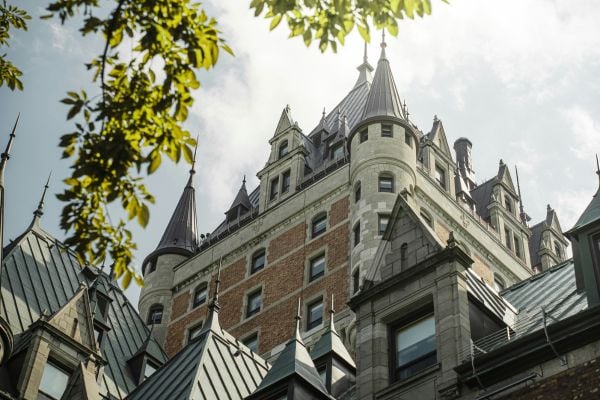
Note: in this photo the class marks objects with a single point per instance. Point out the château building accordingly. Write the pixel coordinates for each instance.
(442, 287)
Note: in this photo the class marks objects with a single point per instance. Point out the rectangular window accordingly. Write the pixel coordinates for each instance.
(258, 261)
(317, 268)
(357, 193)
(254, 303)
(384, 220)
(507, 240)
(337, 152)
(517, 246)
(285, 182)
(54, 381)
(356, 280)
(386, 130)
(508, 204)
(364, 135)
(440, 176)
(357, 233)
(408, 139)
(319, 225)
(386, 184)
(557, 249)
(315, 314)
(200, 296)
(194, 332)
(251, 342)
(274, 187)
(414, 347)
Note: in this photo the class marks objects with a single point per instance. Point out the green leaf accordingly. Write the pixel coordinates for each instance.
(143, 215)
(275, 21)
(364, 33)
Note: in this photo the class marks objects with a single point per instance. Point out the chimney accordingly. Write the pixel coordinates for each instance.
(462, 147)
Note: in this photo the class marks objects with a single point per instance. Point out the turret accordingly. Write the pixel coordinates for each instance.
(462, 147)
(178, 243)
(383, 148)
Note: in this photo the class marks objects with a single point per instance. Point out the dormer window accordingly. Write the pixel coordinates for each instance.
(274, 188)
(557, 249)
(440, 176)
(155, 315)
(337, 152)
(283, 149)
(54, 381)
(286, 179)
(508, 204)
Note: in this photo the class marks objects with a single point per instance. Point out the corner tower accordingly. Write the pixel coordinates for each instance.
(178, 243)
(383, 157)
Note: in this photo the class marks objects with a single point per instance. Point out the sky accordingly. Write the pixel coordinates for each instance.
(520, 79)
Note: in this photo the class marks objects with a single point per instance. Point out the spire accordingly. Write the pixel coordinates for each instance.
(364, 70)
(298, 319)
(6, 155)
(214, 304)
(331, 314)
(522, 214)
(383, 99)
(37, 214)
(190, 182)
(181, 234)
(323, 125)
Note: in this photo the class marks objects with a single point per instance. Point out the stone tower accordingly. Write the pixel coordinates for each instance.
(178, 243)
(383, 148)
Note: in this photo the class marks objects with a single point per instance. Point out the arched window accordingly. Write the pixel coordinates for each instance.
(319, 225)
(258, 261)
(200, 295)
(155, 314)
(283, 149)
(386, 183)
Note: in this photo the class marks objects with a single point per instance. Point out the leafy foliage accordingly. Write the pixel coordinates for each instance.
(136, 120)
(330, 21)
(10, 16)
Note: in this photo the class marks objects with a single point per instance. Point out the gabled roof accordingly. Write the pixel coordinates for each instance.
(285, 121)
(181, 234)
(293, 362)
(438, 136)
(383, 99)
(331, 343)
(242, 199)
(212, 366)
(40, 273)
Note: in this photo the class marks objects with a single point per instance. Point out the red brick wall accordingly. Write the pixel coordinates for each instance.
(282, 280)
(581, 382)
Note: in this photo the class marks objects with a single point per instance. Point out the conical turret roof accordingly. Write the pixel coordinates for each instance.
(181, 234)
(383, 100)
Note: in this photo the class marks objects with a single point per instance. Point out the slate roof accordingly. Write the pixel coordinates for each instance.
(481, 195)
(591, 213)
(535, 242)
(39, 273)
(293, 361)
(181, 234)
(212, 366)
(330, 342)
(383, 99)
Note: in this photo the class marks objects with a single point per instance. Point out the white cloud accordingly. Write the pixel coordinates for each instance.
(585, 132)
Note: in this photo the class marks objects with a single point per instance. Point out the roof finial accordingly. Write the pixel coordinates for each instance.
(244, 180)
(214, 306)
(522, 214)
(365, 59)
(298, 319)
(383, 46)
(37, 214)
